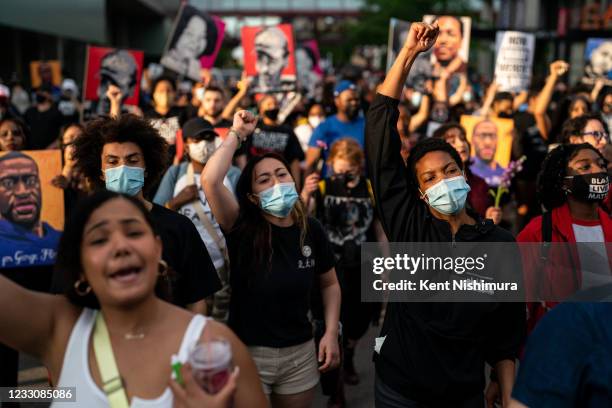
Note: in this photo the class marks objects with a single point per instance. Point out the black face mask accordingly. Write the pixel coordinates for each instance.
(41, 98)
(344, 178)
(589, 187)
(271, 114)
(506, 115)
(351, 112)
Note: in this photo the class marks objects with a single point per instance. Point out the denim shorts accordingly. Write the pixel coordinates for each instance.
(286, 370)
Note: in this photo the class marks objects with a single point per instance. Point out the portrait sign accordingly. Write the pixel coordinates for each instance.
(194, 42)
(491, 141)
(269, 58)
(111, 66)
(45, 71)
(31, 208)
(598, 60)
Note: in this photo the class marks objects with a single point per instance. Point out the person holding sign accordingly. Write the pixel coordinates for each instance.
(420, 355)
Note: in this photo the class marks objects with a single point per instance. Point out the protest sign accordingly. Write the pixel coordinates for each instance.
(514, 60)
(398, 32)
(491, 141)
(598, 60)
(30, 222)
(452, 48)
(45, 71)
(194, 42)
(269, 58)
(309, 72)
(106, 66)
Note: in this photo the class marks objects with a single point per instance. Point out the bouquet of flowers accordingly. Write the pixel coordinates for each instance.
(506, 180)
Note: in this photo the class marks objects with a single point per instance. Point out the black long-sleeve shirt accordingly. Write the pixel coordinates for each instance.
(433, 353)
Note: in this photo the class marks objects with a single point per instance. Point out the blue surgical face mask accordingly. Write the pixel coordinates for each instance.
(279, 199)
(448, 196)
(124, 179)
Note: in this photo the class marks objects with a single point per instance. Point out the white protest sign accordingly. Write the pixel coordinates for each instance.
(514, 60)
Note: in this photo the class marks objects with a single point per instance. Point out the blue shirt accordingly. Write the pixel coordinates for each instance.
(21, 247)
(568, 359)
(332, 129)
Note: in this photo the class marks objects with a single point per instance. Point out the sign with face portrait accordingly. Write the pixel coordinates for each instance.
(598, 60)
(452, 48)
(491, 141)
(269, 58)
(31, 208)
(194, 43)
(49, 72)
(111, 66)
(514, 60)
(309, 72)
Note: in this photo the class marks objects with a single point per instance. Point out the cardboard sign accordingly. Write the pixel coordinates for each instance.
(51, 71)
(107, 66)
(31, 222)
(598, 60)
(491, 141)
(269, 58)
(514, 60)
(194, 43)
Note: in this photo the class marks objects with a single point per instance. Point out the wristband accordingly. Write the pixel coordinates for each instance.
(235, 132)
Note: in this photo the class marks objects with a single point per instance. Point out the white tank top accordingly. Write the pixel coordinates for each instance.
(76, 372)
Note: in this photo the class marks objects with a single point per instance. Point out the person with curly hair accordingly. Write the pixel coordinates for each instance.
(126, 155)
(588, 128)
(571, 186)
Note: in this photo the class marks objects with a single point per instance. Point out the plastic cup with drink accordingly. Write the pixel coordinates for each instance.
(211, 364)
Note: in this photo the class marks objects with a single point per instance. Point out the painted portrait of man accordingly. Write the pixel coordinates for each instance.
(27, 239)
(484, 141)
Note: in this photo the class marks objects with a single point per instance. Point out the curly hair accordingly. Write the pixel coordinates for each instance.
(124, 129)
(574, 127)
(550, 191)
(421, 149)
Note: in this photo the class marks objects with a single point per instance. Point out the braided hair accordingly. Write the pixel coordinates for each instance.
(550, 187)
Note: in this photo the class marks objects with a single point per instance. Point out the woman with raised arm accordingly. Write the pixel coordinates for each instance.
(276, 252)
(110, 254)
(433, 354)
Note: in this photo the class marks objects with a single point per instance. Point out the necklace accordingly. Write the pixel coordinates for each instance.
(134, 336)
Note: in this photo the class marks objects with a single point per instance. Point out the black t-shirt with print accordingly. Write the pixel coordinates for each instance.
(186, 254)
(270, 308)
(275, 139)
(347, 215)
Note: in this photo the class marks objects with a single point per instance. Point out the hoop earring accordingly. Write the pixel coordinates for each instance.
(163, 268)
(79, 290)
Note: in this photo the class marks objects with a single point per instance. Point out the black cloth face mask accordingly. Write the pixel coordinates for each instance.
(589, 187)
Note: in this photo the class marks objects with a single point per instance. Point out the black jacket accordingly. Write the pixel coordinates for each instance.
(433, 353)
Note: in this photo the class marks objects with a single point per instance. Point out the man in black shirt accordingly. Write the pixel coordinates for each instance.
(272, 137)
(126, 155)
(44, 120)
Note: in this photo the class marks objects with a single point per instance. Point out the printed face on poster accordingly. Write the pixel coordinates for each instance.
(111, 66)
(269, 58)
(49, 72)
(598, 60)
(194, 43)
(31, 208)
(308, 70)
(514, 60)
(491, 141)
(452, 48)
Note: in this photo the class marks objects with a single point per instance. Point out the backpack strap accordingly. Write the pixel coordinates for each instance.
(371, 192)
(322, 187)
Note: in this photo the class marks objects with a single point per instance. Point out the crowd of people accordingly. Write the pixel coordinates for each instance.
(210, 214)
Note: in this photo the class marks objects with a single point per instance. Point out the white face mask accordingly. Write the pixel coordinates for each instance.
(314, 121)
(203, 150)
(199, 93)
